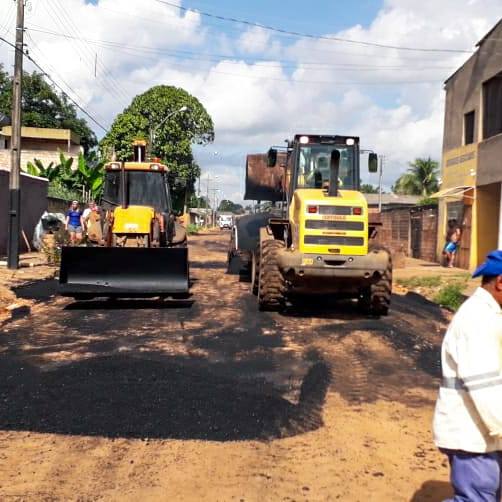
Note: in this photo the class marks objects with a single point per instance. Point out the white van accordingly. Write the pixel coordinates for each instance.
(225, 221)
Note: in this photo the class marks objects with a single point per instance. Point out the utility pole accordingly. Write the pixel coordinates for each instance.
(15, 167)
(207, 200)
(380, 184)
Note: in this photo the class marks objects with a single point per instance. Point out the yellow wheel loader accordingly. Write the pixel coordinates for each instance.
(144, 249)
(320, 241)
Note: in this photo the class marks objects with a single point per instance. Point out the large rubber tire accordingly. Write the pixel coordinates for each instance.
(375, 300)
(271, 285)
(255, 271)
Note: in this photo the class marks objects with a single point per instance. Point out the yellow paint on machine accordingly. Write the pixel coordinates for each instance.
(298, 214)
(133, 220)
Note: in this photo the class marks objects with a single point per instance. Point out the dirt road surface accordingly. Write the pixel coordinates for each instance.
(209, 399)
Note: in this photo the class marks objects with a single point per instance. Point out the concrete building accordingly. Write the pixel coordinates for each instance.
(472, 152)
(40, 143)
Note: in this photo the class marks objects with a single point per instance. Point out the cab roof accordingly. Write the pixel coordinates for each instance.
(137, 166)
(326, 139)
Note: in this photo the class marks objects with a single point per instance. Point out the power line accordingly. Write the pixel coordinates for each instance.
(108, 44)
(309, 35)
(93, 63)
(40, 55)
(56, 15)
(45, 74)
(239, 32)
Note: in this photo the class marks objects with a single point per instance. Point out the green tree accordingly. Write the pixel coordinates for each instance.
(230, 207)
(157, 111)
(43, 106)
(200, 202)
(421, 178)
(367, 188)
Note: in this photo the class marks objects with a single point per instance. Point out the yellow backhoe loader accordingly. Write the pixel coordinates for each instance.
(144, 249)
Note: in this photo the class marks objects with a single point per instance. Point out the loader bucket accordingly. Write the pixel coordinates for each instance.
(127, 272)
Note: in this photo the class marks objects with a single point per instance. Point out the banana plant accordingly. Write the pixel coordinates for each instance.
(91, 174)
(37, 168)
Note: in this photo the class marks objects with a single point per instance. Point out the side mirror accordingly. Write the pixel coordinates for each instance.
(373, 163)
(272, 157)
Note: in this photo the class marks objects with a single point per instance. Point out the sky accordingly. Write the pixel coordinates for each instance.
(262, 86)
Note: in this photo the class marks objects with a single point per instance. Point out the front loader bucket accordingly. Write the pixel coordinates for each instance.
(128, 272)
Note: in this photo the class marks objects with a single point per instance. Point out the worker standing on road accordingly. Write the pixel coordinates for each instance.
(468, 415)
(74, 223)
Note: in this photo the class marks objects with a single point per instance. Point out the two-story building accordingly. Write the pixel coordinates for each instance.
(472, 152)
(40, 143)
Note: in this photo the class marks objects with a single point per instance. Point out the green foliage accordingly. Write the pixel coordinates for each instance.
(230, 207)
(200, 202)
(421, 179)
(368, 188)
(192, 229)
(155, 113)
(64, 182)
(60, 192)
(451, 296)
(428, 201)
(420, 282)
(43, 106)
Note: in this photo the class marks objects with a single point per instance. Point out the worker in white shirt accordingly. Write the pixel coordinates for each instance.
(468, 415)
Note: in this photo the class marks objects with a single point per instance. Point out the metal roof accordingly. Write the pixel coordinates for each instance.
(392, 199)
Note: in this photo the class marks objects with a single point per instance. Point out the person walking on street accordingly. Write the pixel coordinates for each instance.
(468, 416)
(74, 223)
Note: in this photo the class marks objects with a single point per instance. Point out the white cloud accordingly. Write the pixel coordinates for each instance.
(332, 87)
(255, 40)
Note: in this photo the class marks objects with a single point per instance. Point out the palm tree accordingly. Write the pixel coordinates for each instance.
(421, 178)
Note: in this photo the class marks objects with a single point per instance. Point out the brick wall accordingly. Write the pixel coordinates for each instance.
(426, 247)
(394, 233)
(56, 205)
(397, 235)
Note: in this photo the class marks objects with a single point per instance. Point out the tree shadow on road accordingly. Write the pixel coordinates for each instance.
(160, 397)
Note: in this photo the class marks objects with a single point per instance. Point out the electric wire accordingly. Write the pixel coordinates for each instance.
(311, 36)
(98, 63)
(45, 74)
(69, 89)
(200, 56)
(80, 50)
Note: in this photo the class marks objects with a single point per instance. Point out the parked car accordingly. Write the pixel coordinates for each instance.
(225, 221)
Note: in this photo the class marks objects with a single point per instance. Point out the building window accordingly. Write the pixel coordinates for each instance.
(469, 128)
(492, 106)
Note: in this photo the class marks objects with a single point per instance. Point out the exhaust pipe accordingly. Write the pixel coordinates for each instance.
(123, 189)
(334, 169)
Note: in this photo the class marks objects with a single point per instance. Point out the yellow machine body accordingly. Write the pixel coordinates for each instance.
(325, 225)
(133, 220)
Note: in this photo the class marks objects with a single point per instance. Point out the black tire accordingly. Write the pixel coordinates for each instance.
(234, 264)
(255, 271)
(375, 299)
(271, 283)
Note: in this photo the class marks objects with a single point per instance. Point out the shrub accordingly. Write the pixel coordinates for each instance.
(192, 229)
(450, 296)
(420, 282)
